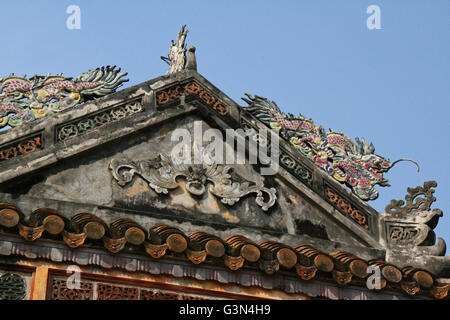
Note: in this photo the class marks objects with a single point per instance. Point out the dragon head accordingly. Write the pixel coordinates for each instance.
(375, 164)
(88, 76)
(107, 80)
(261, 107)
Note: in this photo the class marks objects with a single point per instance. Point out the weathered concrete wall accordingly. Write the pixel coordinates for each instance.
(87, 179)
(76, 169)
(73, 176)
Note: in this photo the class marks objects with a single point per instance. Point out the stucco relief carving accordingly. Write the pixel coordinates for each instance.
(162, 175)
(411, 224)
(27, 145)
(414, 203)
(94, 121)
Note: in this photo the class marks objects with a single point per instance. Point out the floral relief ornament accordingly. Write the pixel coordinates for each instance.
(162, 173)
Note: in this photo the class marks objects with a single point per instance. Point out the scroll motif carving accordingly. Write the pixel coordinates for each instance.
(343, 205)
(191, 88)
(97, 120)
(12, 287)
(161, 174)
(23, 147)
(413, 202)
(60, 291)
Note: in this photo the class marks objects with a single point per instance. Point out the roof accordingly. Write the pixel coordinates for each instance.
(235, 252)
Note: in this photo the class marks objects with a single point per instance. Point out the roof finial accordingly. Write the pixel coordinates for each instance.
(191, 62)
(177, 53)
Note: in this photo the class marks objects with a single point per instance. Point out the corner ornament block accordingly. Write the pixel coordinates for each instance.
(412, 224)
(162, 173)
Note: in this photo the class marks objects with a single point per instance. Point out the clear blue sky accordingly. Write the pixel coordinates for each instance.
(318, 58)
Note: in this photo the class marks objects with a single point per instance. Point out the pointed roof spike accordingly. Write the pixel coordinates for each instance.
(177, 52)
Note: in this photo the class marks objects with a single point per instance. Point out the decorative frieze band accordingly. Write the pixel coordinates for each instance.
(291, 165)
(288, 162)
(344, 206)
(22, 147)
(94, 121)
(95, 290)
(111, 292)
(191, 88)
(60, 291)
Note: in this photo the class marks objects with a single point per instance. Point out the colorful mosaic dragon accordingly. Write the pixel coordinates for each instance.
(23, 100)
(352, 163)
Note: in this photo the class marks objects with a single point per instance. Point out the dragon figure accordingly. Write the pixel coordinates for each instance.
(352, 163)
(23, 100)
